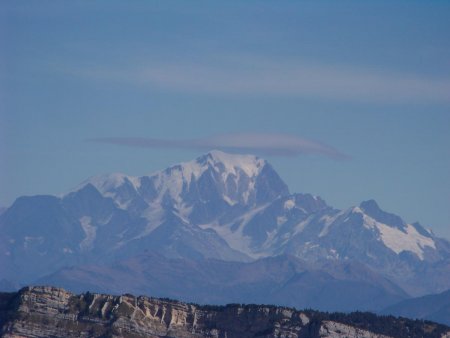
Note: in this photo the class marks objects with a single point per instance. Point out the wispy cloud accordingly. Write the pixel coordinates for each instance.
(248, 75)
(260, 143)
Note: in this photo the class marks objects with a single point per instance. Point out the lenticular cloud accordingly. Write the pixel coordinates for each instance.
(263, 143)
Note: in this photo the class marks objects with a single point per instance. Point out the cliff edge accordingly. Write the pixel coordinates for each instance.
(42, 311)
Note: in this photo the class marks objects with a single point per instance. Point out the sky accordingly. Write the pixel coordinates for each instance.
(347, 100)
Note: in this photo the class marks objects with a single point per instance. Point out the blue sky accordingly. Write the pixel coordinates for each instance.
(355, 95)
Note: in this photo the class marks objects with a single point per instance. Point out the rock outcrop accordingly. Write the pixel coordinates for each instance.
(54, 312)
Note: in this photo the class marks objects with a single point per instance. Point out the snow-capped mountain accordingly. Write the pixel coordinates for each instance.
(221, 206)
(199, 190)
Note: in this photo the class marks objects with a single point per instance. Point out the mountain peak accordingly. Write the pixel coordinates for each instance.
(372, 209)
(106, 184)
(370, 205)
(249, 164)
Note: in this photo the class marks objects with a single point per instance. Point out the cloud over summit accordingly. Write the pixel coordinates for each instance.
(272, 144)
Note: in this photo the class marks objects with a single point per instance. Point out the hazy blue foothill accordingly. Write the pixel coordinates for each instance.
(431, 307)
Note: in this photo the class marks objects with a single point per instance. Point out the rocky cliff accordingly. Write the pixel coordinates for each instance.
(54, 312)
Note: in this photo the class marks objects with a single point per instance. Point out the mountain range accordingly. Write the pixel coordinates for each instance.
(230, 229)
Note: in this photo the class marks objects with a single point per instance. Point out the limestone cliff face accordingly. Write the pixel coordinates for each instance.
(54, 312)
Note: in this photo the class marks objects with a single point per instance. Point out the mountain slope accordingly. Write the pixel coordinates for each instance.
(281, 280)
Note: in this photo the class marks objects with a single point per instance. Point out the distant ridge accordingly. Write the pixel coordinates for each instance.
(430, 307)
